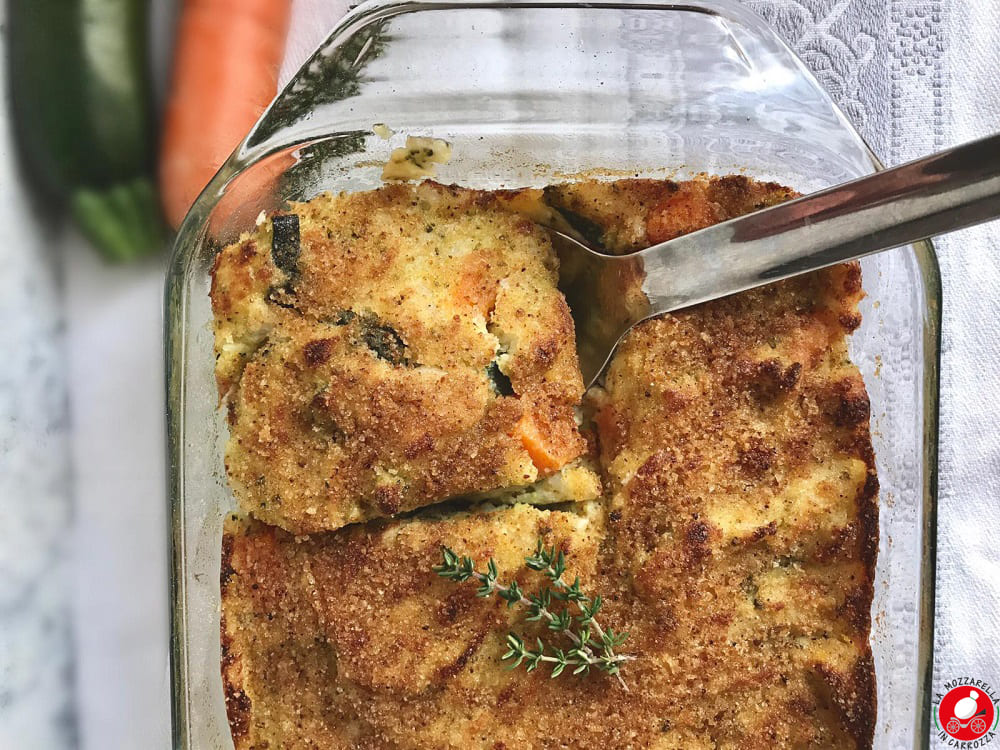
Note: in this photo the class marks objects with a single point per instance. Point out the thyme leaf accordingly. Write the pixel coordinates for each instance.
(593, 646)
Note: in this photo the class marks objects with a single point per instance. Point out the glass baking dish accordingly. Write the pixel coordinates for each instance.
(530, 93)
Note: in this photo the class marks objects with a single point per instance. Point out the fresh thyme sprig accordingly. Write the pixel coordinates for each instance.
(552, 564)
(587, 651)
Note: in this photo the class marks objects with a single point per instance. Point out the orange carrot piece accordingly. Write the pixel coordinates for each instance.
(473, 289)
(225, 74)
(546, 457)
(685, 211)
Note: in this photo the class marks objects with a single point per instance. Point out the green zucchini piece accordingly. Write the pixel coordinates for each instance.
(83, 116)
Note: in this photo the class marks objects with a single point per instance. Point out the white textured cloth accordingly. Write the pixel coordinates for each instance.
(968, 600)
(913, 75)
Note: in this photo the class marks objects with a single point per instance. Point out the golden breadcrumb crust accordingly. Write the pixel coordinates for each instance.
(735, 544)
(347, 640)
(415, 349)
(627, 215)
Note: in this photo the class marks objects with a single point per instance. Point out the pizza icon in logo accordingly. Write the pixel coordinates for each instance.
(966, 713)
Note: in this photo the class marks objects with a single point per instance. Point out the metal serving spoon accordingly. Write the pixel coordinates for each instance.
(609, 294)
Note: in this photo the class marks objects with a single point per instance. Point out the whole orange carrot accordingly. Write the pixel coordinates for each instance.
(225, 74)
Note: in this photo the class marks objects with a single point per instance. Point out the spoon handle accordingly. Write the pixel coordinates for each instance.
(949, 190)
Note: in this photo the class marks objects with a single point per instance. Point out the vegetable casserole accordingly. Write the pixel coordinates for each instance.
(400, 378)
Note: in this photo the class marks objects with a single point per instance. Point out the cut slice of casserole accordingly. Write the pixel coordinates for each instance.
(349, 640)
(382, 351)
(735, 543)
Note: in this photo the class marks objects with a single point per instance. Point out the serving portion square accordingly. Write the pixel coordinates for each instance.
(382, 351)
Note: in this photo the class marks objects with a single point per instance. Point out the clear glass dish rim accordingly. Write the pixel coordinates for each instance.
(247, 154)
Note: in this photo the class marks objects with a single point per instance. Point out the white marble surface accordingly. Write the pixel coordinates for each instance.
(913, 74)
(36, 708)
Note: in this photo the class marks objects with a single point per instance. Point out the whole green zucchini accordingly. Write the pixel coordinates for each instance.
(83, 114)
